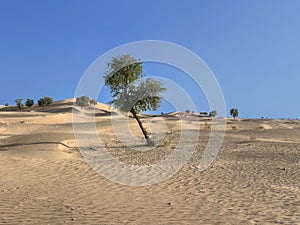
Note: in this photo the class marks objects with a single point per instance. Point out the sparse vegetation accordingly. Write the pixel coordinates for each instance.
(29, 102)
(93, 102)
(42, 102)
(234, 112)
(19, 104)
(203, 113)
(129, 92)
(85, 101)
(213, 113)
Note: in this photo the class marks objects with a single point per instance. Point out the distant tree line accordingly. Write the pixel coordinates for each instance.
(42, 102)
(82, 101)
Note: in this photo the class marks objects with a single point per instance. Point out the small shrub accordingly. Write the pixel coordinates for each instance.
(187, 111)
(29, 103)
(93, 102)
(42, 102)
(213, 113)
(6, 104)
(48, 100)
(19, 104)
(85, 101)
(234, 112)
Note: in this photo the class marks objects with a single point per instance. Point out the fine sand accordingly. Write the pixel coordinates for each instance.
(45, 180)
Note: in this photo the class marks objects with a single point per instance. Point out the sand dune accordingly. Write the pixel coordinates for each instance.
(45, 180)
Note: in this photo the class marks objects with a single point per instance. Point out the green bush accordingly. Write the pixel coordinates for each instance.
(213, 113)
(85, 101)
(93, 102)
(42, 102)
(234, 112)
(19, 103)
(29, 102)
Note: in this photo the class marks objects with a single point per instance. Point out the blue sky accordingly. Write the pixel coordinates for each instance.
(253, 47)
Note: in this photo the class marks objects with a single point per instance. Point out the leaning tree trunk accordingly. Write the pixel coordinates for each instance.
(146, 135)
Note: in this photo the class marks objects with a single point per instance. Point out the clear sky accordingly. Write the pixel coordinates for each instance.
(253, 47)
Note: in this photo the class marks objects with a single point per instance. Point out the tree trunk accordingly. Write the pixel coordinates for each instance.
(149, 141)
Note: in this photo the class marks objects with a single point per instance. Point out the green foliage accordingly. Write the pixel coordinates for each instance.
(82, 101)
(48, 100)
(42, 102)
(6, 104)
(234, 112)
(29, 103)
(85, 101)
(213, 113)
(93, 102)
(129, 91)
(19, 103)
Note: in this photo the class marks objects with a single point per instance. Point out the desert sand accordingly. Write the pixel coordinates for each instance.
(45, 180)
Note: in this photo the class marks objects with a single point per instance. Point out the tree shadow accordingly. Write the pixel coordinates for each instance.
(32, 143)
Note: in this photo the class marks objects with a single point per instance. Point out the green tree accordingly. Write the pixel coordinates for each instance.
(234, 112)
(85, 101)
(93, 102)
(129, 91)
(6, 104)
(48, 100)
(42, 102)
(19, 103)
(29, 103)
(213, 113)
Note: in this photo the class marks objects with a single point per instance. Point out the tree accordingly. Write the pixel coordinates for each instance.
(6, 104)
(213, 113)
(234, 112)
(42, 102)
(85, 101)
(203, 113)
(129, 91)
(93, 102)
(48, 100)
(19, 103)
(29, 103)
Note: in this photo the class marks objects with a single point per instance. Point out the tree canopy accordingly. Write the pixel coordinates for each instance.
(85, 101)
(234, 112)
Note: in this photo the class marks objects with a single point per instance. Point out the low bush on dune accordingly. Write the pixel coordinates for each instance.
(42, 102)
(234, 112)
(213, 113)
(19, 104)
(85, 101)
(29, 102)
